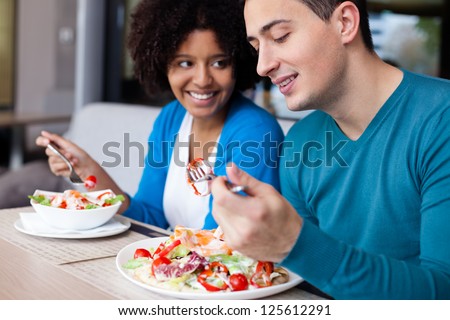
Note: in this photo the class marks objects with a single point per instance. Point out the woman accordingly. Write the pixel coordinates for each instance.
(198, 50)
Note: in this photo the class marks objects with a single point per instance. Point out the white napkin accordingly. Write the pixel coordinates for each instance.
(32, 222)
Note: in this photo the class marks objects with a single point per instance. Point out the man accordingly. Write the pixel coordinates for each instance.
(365, 178)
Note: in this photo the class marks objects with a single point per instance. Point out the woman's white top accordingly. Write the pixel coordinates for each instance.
(181, 205)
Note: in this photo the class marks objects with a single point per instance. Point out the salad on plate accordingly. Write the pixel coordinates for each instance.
(193, 260)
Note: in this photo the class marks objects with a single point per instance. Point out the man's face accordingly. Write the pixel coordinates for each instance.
(302, 54)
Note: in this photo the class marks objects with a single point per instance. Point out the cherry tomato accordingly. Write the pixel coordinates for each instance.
(159, 261)
(90, 182)
(238, 282)
(142, 253)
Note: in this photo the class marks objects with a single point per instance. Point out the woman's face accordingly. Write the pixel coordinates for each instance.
(201, 75)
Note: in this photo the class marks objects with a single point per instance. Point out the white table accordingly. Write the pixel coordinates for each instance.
(45, 268)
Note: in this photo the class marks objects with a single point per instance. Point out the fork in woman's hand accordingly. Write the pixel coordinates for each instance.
(74, 177)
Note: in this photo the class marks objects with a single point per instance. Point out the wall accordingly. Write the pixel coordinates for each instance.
(45, 59)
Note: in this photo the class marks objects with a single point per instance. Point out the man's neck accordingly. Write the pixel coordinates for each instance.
(368, 90)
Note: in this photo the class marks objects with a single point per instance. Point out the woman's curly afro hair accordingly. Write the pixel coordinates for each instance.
(159, 27)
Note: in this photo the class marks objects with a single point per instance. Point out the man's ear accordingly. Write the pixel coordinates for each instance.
(347, 17)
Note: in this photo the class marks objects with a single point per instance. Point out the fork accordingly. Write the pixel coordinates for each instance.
(197, 174)
(74, 177)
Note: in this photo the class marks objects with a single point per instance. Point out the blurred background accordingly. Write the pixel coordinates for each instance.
(58, 55)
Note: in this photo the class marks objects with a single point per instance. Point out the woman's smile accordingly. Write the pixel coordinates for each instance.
(201, 96)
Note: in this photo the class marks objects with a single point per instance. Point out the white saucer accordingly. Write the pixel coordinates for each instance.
(126, 225)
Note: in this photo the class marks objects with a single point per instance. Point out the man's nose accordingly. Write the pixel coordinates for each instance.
(266, 62)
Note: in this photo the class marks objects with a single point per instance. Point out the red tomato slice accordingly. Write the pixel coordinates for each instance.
(264, 266)
(90, 182)
(169, 248)
(217, 266)
(261, 278)
(202, 279)
(159, 249)
(159, 261)
(140, 252)
(238, 282)
(103, 194)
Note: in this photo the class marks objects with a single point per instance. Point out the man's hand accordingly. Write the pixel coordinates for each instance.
(262, 225)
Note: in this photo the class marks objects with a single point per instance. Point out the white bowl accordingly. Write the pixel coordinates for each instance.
(73, 219)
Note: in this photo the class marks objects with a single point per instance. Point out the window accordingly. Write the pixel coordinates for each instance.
(407, 38)
(411, 33)
(120, 84)
(6, 54)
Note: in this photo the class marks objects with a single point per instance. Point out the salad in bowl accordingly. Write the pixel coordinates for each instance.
(75, 210)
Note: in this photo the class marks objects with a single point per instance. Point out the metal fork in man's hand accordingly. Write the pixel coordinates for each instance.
(200, 171)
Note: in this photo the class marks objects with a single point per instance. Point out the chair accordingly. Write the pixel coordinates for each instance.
(116, 136)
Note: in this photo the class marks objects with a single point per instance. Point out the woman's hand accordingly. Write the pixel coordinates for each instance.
(83, 164)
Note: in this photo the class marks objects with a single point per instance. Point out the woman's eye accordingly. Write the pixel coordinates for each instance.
(184, 64)
(281, 39)
(221, 64)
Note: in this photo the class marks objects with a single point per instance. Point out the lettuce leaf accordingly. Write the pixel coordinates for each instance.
(41, 200)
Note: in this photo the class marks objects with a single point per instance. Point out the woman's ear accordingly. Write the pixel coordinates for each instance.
(347, 18)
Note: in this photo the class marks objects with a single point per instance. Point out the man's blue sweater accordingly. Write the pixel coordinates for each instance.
(377, 210)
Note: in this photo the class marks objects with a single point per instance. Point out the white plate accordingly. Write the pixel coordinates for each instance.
(127, 253)
(126, 225)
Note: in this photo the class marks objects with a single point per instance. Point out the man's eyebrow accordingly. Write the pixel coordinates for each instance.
(268, 26)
